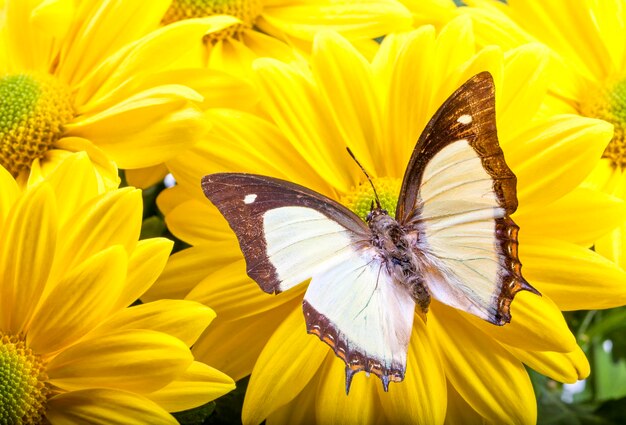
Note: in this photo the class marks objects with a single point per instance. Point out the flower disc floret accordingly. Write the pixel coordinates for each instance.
(360, 199)
(610, 105)
(23, 391)
(245, 10)
(33, 110)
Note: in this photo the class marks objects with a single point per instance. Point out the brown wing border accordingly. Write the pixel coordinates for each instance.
(227, 192)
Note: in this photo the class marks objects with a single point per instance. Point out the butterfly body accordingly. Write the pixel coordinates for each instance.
(399, 252)
(452, 240)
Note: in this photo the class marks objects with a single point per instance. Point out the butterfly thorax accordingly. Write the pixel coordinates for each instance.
(397, 251)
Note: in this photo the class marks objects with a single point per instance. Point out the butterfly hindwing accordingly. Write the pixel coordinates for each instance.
(457, 195)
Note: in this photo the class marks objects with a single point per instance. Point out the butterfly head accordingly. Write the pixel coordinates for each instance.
(375, 212)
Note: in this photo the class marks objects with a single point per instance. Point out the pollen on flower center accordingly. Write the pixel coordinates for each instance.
(360, 199)
(609, 104)
(245, 10)
(23, 390)
(33, 110)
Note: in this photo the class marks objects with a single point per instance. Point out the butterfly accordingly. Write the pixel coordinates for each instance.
(452, 239)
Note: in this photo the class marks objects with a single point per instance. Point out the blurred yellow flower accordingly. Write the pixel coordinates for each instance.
(587, 45)
(70, 349)
(459, 366)
(268, 28)
(99, 77)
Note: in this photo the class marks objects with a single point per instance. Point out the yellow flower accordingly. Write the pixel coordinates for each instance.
(70, 350)
(458, 365)
(587, 46)
(98, 77)
(269, 27)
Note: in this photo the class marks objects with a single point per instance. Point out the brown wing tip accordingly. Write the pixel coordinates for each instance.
(356, 361)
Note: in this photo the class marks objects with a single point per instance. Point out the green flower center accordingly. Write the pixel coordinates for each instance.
(245, 10)
(609, 104)
(23, 390)
(33, 110)
(360, 199)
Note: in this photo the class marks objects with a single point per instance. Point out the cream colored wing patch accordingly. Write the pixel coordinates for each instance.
(301, 241)
(459, 223)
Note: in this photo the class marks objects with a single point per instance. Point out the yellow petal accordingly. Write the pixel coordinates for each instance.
(234, 295)
(183, 271)
(113, 218)
(568, 147)
(244, 142)
(135, 360)
(286, 365)
(421, 397)
(408, 106)
(490, 379)
(300, 410)
(138, 67)
(196, 386)
(353, 19)
(143, 178)
(304, 121)
(453, 48)
(29, 237)
(53, 17)
(74, 183)
(459, 412)
(106, 27)
(196, 222)
(576, 278)
(8, 195)
(562, 367)
(536, 324)
(246, 337)
(144, 266)
(592, 213)
(185, 320)
(333, 406)
(79, 302)
(107, 173)
(523, 90)
(105, 407)
(353, 102)
(147, 128)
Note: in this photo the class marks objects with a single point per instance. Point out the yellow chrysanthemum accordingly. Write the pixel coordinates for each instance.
(459, 367)
(70, 349)
(587, 43)
(268, 28)
(98, 77)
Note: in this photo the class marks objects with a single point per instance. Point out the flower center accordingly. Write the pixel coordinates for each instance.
(33, 110)
(609, 104)
(23, 390)
(246, 10)
(361, 197)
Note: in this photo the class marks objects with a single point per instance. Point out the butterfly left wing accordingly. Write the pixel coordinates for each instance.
(289, 234)
(456, 196)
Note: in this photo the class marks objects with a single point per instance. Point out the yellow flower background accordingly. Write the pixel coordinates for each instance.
(123, 291)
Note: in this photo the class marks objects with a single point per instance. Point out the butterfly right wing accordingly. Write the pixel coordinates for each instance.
(289, 234)
(457, 195)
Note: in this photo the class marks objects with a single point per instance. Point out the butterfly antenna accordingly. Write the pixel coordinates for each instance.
(366, 175)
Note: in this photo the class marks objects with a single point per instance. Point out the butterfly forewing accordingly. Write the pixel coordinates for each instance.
(457, 195)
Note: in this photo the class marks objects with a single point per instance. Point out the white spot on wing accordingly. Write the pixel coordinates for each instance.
(249, 198)
(465, 119)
